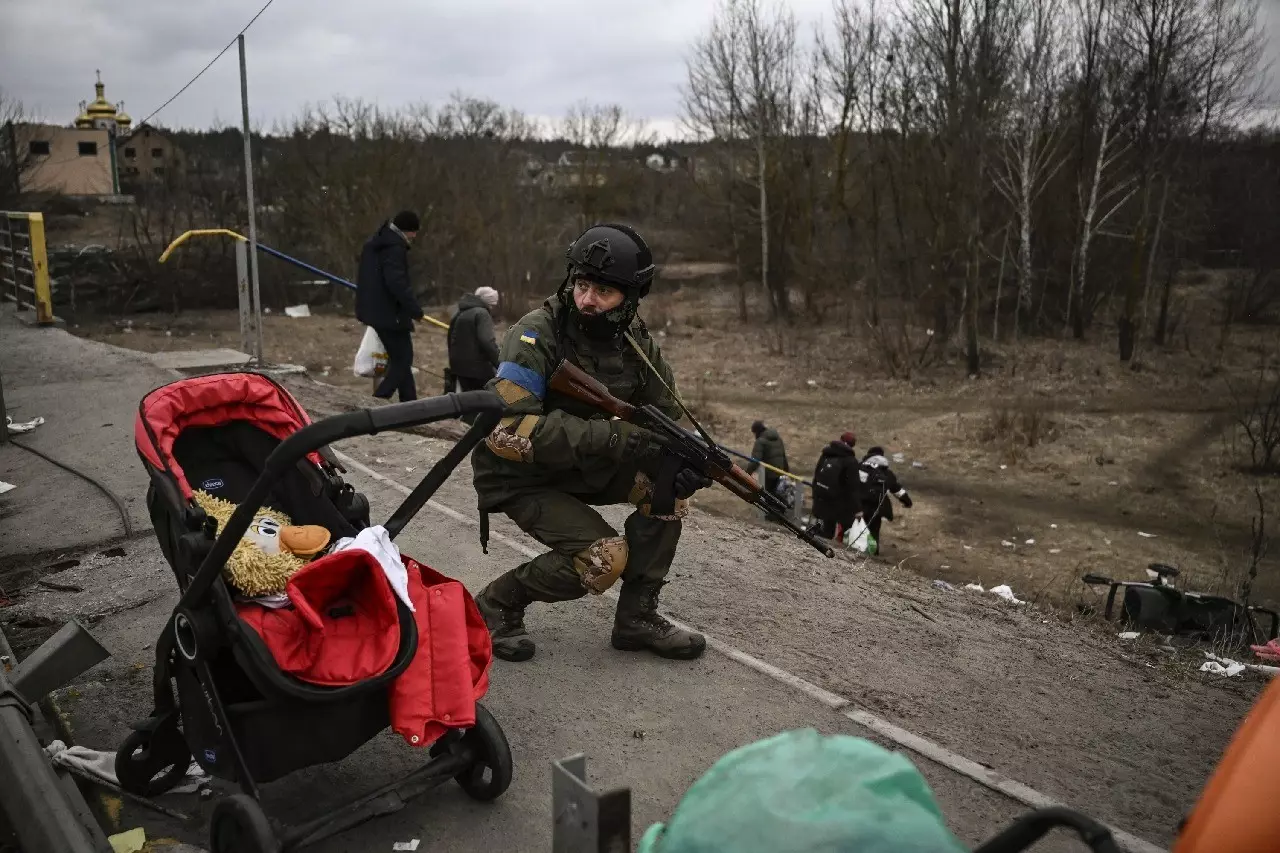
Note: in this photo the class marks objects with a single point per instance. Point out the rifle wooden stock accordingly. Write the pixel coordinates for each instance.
(573, 381)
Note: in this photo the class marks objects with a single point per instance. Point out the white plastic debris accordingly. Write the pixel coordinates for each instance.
(899, 457)
(1006, 543)
(1055, 550)
(1003, 467)
(405, 846)
(968, 547)
(1031, 541)
(812, 383)
(974, 587)
(1113, 483)
(1222, 666)
(6, 487)
(1053, 527)
(941, 584)
(1130, 635)
(25, 426)
(1005, 592)
(771, 384)
(1146, 535)
(917, 464)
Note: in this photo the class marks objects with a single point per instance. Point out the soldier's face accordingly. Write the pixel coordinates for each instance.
(594, 298)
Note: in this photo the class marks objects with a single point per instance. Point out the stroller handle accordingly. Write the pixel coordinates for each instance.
(314, 436)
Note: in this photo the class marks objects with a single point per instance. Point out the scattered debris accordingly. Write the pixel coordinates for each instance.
(6, 487)
(1031, 541)
(411, 469)
(899, 457)
(405, 846)
(941, 584)
(812, 383)
(1146, 535)
(771, 384)
(1222, 666)
(1005, 592)
(1113, 483)
(638, 734)
(1055, 550)
(298, 311)
(129, 842)
(917, 464)
(25, 426)
(1129, 635)
(975, 587)
(1053, 527)
(922, 613)
(1006, 543)
(1004, 467)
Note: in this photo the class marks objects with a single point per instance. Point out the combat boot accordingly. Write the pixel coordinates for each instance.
(502, 605)
(637, 625)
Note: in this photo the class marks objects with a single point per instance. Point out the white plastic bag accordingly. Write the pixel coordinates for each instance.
(858, 537)
(371, 357)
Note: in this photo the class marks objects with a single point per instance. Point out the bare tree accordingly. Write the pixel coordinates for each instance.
(1104, 183)
(1034, 150)
(596, 132)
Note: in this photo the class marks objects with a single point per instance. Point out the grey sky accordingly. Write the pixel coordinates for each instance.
(539, 57)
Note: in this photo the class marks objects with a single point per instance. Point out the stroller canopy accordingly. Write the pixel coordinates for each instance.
(206, 401)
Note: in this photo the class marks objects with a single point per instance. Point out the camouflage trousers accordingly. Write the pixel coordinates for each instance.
(585, 549)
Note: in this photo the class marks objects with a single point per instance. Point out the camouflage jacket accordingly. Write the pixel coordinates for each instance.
(546, 440)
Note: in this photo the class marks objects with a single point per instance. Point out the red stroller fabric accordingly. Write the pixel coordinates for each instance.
(211, 401)
(343, 627)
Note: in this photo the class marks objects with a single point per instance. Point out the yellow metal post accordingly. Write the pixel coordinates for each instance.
(43, 294)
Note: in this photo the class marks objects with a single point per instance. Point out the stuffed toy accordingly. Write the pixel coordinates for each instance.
(270, 551)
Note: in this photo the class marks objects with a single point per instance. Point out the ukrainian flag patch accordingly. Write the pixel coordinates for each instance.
(528, 337)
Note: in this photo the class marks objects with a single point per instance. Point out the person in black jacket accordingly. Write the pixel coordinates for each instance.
(473, 349)
(879, 482)
(385, 301)
(837, 488)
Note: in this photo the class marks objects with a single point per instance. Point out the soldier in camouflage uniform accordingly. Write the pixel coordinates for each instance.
(551, 459)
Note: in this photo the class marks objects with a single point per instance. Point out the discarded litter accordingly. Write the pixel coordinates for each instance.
(1146, 535)
(1004, 467)
(771, 384)
(405, 846)
(25, 426)
(1055, 550)
(899, 458)
(1005, 592)
(1031, 541)
(917, 464)
(298, 311)
(1053, 527)
(1129, 635)
(129, 842)
(812, 383)
(1221, 666)
(941, 584)
(1006, 543)
(6, 487)
(975, 587)
(102, 765)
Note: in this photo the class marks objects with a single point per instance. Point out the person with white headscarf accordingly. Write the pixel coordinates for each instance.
(473, 347)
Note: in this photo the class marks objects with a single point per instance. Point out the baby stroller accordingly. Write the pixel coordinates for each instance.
(235, 710)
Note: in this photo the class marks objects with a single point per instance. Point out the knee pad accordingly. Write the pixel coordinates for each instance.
(601, 563)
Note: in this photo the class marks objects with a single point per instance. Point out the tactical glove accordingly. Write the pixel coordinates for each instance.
(689, 481)
(628, 441)
(906, 501)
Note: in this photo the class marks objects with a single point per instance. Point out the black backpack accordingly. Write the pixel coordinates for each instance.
(826, 482)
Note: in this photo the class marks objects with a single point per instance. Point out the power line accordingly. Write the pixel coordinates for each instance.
(207, 67)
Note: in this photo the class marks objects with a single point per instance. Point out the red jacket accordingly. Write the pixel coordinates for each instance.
(343, 628)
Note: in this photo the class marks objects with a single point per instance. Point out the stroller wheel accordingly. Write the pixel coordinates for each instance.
(239, 825)
(490, 776)
(152, 761)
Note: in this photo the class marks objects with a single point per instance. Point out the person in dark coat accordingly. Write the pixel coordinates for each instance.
(837, 488)
(385, 301)
(473, 348)
(770, 450)
(879, 482)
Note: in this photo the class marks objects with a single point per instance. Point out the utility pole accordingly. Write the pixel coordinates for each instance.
(253, 228)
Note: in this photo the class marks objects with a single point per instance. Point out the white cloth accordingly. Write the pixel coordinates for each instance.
(102, 765)
(378, 542)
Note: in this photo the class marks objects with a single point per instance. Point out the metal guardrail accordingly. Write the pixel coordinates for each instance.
(24, 264)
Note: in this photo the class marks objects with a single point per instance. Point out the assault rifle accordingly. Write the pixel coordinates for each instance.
(701, 454)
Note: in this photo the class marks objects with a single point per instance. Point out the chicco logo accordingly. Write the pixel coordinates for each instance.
(212, 485)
